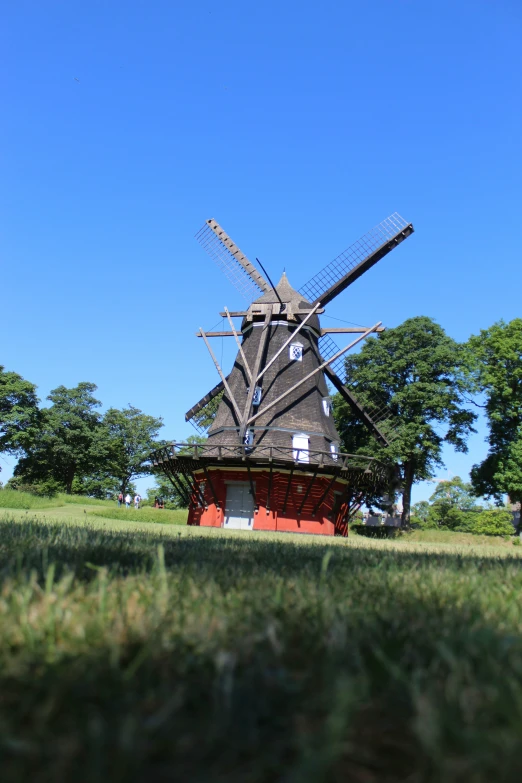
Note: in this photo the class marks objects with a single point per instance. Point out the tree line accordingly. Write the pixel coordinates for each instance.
(432, 385)
(453, 506)
(70, 445)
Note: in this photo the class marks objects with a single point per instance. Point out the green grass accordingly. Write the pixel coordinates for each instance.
(83, 501)
(11, 498)
(160, 516)
(187, 654)
(457, 539)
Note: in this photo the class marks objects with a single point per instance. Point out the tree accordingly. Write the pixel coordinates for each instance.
(494, 522)
(420, 512)
(132, 437)
(497, 356)
(99, 486)
(19, 412)
(69, 442)
(453, 505)
(423, 377)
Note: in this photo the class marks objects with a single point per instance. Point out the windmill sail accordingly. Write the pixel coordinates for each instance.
(229, 258)
(203, 413)
(356, 260)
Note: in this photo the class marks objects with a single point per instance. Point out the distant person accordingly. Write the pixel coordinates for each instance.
(127, 500)
(120, 499)
(137, 499)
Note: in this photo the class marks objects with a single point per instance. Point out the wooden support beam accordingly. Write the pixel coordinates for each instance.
(199, 492)
(255, 374)
(191, 481)
(323, 496)
(288, 488)
(308, 490)
(310, 374)
(252, 489)
(216, 334)
(222, 376)
(212, 490)
(178, 486)
(243, 313)
(240, 347)
(342, 330)
(269, 484)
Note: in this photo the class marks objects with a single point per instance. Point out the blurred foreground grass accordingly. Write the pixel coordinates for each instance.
(180, 654)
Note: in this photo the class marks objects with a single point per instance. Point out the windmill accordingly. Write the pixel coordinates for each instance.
(271, 459)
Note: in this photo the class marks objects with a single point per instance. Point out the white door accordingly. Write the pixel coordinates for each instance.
(239, 507)
(300, 448)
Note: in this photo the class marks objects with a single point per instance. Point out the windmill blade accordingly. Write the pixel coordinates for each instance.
(359, 410)
(356, 260)
(202, 414)
(229, 258)
(371, 415)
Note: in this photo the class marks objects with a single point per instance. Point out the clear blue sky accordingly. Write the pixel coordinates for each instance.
(297, 125)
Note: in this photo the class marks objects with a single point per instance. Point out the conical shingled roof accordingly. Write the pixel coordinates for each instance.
(287, 294)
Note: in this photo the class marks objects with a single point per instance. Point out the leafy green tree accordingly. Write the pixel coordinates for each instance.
(70, 441)
(132, 436)
(453, 505)
(497, 356)
(99, 486)
(494, 522)
(420, 512)
(422, 375)
(19, 414)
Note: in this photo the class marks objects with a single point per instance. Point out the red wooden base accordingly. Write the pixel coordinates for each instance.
(296, 503)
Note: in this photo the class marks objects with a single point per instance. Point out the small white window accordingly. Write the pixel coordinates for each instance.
(300, 448)
(296, 352)
(327, 406)
(334, 449)
(256, 399)
(249, 438)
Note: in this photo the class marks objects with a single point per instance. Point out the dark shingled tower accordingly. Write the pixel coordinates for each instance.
(307, 410)
(271, 459)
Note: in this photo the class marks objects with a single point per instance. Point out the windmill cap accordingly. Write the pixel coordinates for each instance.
(287, 294)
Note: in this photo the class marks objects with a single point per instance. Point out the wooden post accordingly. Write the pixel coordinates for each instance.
(252, 490)
(222, 376)
(323, 496)
(288, 488)
(247, 368)
(308, 489)
(212, 490)
(269, 484)
(255, 373)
